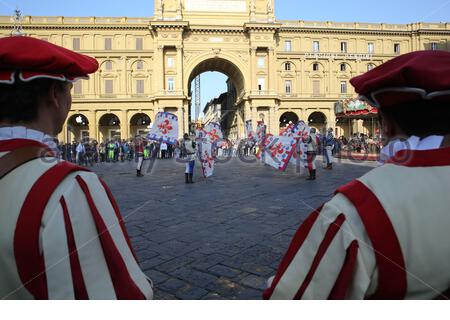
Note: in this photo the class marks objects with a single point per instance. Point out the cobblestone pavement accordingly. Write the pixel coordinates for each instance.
(219, 239)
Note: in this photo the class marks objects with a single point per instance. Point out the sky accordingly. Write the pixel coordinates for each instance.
(388, 11)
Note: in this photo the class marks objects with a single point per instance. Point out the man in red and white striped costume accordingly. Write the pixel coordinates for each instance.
(61, 233)
(385, 235)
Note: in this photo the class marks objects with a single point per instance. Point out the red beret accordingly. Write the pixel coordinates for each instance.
(408, 79)
(33, 58)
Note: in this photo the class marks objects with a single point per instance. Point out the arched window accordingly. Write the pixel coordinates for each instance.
(315, 67)
(287, 66)
(343, 67)
(288, 118)
(140, 65)
(370, 66)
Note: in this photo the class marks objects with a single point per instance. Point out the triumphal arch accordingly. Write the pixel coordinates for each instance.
(278, 70)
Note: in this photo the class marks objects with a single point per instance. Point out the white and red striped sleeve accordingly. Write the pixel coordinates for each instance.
(85, 246)
(330, 257)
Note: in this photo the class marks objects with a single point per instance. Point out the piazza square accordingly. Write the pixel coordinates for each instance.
(212, 150)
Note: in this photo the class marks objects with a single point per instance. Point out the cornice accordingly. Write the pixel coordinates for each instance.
(165, 25)
(345, 31)
(78, 27)
(262, 26)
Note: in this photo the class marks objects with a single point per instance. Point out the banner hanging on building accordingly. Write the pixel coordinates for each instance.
(165, 128)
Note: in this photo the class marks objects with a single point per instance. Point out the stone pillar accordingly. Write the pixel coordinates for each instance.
(62, 137)
(248, 111)
(159, 69)
(240, 122)
(271, 123)
(180, 114)
(186, 116)
(253, 68)
(124, 125)
(123, 89)
(93, 134)
(303, 85)
(331, 78)
(272, 70)
(179, 85)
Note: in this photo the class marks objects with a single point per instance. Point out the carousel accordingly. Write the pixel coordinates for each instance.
(357, 126)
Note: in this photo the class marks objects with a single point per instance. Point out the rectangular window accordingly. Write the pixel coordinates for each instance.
(170, 62)
(108, 44)
(108, 65)
(139, 44)
(76, 44)
(140, 65)
(139, 86)
(109, 86)
(170, 84)
(343, 47)
(434, 46)
(343, 87)
(77, 87)
(288, 45)
(316, 87)
(261, 62)
(261, 84)
(288, 87)
(397, 48)
(316, 46)
(370, 47)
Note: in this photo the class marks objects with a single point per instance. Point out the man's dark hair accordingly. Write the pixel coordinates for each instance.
(421, 119)
(19, 102)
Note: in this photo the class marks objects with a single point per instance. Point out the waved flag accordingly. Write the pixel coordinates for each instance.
(213, 132)
(260, 131)
(287, 131)
(249, 130)
(206, 159)
(200, 134)
(278, 151)
(165, 128)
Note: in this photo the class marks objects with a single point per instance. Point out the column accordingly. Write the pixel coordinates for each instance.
(272, 70)
(303, 80)
(240, 122)
(186, 116)
(248, 111)
(271, 124)
(92, 125)
(253, 69)
(179, 85)
(331, 77)
(124, 125)
(159, 69)
(62, 136)
(181, 117)
(123, 90)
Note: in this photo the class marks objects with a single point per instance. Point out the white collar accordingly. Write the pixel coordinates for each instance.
(20, 132)
(412, 143)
